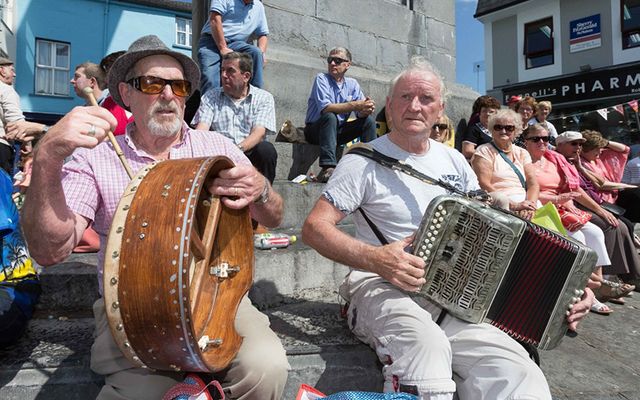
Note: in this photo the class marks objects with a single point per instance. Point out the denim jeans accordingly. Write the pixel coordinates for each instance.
(326, 133)
(210, 60)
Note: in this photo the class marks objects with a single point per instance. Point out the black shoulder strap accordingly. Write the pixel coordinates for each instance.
(403, 167)
(374, 228)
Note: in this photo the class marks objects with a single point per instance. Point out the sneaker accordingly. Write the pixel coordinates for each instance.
(325, 174)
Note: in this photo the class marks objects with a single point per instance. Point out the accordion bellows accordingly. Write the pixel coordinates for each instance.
(486, 265)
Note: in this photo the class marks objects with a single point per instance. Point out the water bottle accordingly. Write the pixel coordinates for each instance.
(267, 241)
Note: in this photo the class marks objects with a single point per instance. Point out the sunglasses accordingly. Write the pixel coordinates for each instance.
(575, 143)
(155, 85)
(440, 127)
(508, 128)
(336, 60)
(537, 139)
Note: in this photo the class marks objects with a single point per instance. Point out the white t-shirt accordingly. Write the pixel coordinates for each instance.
(394, 201)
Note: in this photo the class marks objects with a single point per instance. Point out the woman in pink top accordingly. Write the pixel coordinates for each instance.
(560, 184)
(601, 165)
(505, 169)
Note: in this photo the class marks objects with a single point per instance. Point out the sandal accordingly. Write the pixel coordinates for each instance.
(600, 308)
(619, 300)
(613, 290)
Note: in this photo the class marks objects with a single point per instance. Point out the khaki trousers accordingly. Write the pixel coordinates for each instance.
(259, 371)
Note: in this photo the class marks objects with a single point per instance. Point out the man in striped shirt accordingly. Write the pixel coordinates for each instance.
(154, 83)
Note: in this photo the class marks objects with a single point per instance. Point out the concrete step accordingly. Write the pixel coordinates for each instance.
(51, 361)
(281, 276)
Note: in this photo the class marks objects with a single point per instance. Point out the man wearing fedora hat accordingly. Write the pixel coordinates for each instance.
(153, 82)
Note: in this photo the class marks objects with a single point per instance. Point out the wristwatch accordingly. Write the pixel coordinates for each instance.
(45, 129)
(264, 196)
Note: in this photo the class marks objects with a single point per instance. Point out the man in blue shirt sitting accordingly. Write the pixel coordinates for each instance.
(230, 25)
(333, 98)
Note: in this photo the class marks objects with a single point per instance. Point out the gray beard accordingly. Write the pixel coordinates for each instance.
(165, 129)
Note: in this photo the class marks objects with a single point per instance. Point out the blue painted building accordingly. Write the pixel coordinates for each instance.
(54, 36)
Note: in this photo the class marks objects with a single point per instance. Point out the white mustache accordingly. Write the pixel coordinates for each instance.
(164, 108)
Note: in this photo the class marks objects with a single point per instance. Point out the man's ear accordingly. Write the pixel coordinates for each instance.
(123, 88)
(441, 112)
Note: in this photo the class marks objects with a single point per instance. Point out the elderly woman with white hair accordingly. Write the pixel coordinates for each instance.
(505, 170)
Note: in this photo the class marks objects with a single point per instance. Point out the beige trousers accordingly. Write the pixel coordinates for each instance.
(259, 371)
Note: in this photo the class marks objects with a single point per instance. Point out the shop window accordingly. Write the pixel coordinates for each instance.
(183, 32)
(630, 23)
(538, 43)
(52, 68)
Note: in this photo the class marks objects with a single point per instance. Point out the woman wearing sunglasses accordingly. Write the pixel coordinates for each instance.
(560, 184)
(442, 131)
(505, 170)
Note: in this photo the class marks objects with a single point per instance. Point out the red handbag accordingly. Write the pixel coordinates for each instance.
(574, 219)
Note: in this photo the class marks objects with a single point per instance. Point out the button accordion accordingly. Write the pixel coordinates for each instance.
(485, 265)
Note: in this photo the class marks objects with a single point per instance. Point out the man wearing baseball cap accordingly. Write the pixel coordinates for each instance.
(153, 82)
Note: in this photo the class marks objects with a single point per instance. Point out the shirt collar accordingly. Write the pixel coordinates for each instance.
(185, 135)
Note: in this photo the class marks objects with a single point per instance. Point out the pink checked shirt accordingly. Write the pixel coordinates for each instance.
(94, 179)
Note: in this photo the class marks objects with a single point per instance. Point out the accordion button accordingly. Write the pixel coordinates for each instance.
(440, 219)
(440, 208)
(438, 226)
(435, 220)
(437, 214)
(427, 252)
(570, 306)
(581, 293)
(576, 292)
(435, 233)
(421, 254)
(424, 247)
(432, 227)
(567, 313)
(575, 299)
(429, 234)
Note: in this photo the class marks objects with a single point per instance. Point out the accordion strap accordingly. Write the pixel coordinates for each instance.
(374, 228)
(401, 166)
(405, 168)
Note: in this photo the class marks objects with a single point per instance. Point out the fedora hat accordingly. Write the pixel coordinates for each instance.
(5, 61)
(146, 46)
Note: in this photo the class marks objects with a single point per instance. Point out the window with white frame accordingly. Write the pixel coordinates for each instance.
(630, 23)
(538, 43)
(52, 67)
(183, 32)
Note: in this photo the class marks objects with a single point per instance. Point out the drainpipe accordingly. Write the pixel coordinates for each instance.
(105, 30)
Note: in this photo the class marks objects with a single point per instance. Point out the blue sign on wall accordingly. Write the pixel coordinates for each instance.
(585, 33)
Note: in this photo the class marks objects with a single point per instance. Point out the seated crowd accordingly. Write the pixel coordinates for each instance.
(516, 154)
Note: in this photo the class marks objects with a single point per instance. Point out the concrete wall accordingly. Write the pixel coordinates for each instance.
(598, 57)
(7, 28)
(505, 51)
(382, 35)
